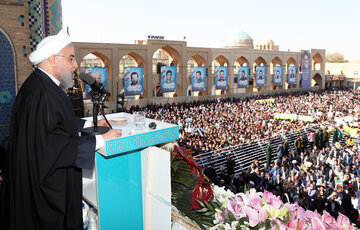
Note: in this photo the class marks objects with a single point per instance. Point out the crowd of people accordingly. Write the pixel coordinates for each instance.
(317, 173)
(322, 176)
(212, 125)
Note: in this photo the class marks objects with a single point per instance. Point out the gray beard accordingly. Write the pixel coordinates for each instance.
(68, 82)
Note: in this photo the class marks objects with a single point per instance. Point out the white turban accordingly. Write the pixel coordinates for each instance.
(49, 46)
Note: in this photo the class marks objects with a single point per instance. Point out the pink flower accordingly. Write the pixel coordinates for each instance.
(239, 198)
(272, 199)
(267, 196)
(301, 225)
(276, 202)
(310, 214)
(327, 218)
(317, 224)
(300, 213)
(220, 217)
(252, 214)
(255, 202)
(281, 225)
(262, 214)
(292, 222)
(343, 220)
(235, 208)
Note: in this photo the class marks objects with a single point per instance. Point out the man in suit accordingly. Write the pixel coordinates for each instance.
(284, 172)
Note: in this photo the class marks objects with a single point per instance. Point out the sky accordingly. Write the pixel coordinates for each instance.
(293, 25)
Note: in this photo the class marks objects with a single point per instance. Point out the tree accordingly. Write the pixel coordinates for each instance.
(335, 57)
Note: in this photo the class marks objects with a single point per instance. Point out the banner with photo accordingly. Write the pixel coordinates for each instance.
(198, 78)
(305, 68)
(100, 74)
(221, 77)
(134, 81)
(260, 76)
(292, 75)
(277, 78)
(243, 77)
(168, 80)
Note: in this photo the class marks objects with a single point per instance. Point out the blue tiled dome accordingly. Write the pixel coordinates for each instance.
(239, 39)
(241, 35)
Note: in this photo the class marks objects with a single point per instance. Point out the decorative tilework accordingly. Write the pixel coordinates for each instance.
(21, 19)
(46, 18)
(24, 51)
(52, 16)
(5, 97)
(142, 140)
(35, 23)
(56, 21)
(7, 84)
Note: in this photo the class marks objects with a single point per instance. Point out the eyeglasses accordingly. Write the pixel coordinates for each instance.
(71, 57)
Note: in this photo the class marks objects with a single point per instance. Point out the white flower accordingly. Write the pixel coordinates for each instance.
(234, 224)
(216, 220)
(227, 226)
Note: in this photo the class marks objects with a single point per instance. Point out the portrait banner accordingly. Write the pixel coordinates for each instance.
(168, 78)
(260, 76)
(243, 77)
(305, 76)
(134, 81)
(221, 77)
(277, 78)
(198, 78)
(100, 74)
(292, 75)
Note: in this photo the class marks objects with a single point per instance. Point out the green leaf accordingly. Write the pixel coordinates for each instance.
(221, 227)
(231, 216)
(287, 218)
(209, 206)
(201, 210)
(201, 203)
(242, 220)
(207, 223)
(209, 214)
(216, 203)
(268, 224)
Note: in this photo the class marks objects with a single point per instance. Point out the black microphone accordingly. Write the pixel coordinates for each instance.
(96, 86)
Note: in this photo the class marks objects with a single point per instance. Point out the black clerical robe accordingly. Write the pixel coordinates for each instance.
(42, 187)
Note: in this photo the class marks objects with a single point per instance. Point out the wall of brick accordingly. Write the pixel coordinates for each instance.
(14, 23)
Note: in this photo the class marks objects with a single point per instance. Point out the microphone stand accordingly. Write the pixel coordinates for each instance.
(98, 100)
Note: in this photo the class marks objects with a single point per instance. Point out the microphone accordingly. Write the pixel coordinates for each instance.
(96, 86)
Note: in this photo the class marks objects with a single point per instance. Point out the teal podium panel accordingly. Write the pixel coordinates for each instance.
(130, 183)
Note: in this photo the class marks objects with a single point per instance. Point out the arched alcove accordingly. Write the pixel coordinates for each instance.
(7, 82)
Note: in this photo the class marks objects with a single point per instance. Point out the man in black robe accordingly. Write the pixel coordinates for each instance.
(42, 187)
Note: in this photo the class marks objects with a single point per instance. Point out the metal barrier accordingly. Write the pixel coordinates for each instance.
(244, 155)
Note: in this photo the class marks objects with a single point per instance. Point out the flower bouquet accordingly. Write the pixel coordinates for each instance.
(215, 208)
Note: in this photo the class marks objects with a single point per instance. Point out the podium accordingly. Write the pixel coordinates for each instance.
(130, 182)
